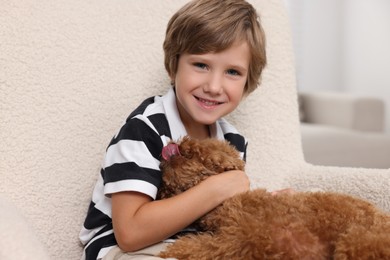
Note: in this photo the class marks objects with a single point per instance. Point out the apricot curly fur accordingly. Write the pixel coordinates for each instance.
(258, 225)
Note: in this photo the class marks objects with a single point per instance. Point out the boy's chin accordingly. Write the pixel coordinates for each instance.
(208, 121)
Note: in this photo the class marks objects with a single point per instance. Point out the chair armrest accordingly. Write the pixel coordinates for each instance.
(343, 110)
(17, 239)
(335, 146)
(370, 184)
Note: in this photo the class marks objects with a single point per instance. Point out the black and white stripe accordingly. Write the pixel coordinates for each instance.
(132, 163)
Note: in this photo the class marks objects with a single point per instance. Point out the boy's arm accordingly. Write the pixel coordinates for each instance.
(139, 222)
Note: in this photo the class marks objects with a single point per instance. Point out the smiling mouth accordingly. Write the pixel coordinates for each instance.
(207, 102)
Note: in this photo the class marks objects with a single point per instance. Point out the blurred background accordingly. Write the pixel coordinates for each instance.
(342, 56)
(343, 46)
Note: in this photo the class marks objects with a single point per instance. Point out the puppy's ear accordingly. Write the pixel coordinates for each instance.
(169, 186)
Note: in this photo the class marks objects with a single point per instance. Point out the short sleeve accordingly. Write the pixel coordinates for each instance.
(132, 159)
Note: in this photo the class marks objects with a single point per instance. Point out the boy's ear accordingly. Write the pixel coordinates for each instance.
(172, 77)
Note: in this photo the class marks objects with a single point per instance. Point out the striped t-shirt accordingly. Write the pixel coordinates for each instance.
(132, 162)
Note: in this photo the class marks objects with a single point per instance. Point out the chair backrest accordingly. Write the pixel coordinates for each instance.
(71, 72)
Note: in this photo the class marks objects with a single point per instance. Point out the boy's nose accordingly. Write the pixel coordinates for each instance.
(214, 84)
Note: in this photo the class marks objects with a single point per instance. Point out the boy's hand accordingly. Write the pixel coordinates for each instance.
(230, 183)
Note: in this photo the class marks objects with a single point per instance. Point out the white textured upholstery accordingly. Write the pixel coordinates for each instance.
(17, 238)
(71, 71)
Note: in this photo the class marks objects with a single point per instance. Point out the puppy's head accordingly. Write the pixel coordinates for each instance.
(191, 161)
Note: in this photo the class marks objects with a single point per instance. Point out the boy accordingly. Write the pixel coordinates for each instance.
(214, 55)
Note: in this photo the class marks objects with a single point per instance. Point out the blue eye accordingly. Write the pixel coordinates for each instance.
(200, 65)
(233, 72)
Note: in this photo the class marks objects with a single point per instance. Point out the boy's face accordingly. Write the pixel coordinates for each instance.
(210, 86)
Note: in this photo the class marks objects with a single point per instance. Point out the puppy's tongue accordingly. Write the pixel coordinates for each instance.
(170, 150)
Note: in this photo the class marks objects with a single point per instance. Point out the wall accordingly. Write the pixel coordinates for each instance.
(367, 49)
(318, 49)
(342, 45)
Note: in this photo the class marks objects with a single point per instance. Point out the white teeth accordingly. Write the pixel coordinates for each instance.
(208, 102)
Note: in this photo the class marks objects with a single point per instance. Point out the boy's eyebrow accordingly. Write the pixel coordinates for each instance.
(238, 67)
(199, 58)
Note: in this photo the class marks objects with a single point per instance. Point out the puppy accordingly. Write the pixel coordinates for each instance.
(258, 225)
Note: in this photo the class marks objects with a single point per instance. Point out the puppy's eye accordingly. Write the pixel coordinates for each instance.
(186, 153)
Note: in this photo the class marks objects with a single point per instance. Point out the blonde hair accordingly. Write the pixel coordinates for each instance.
(204, 26)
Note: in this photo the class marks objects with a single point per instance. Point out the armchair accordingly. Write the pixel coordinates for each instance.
(73, 70)
(343, 129)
